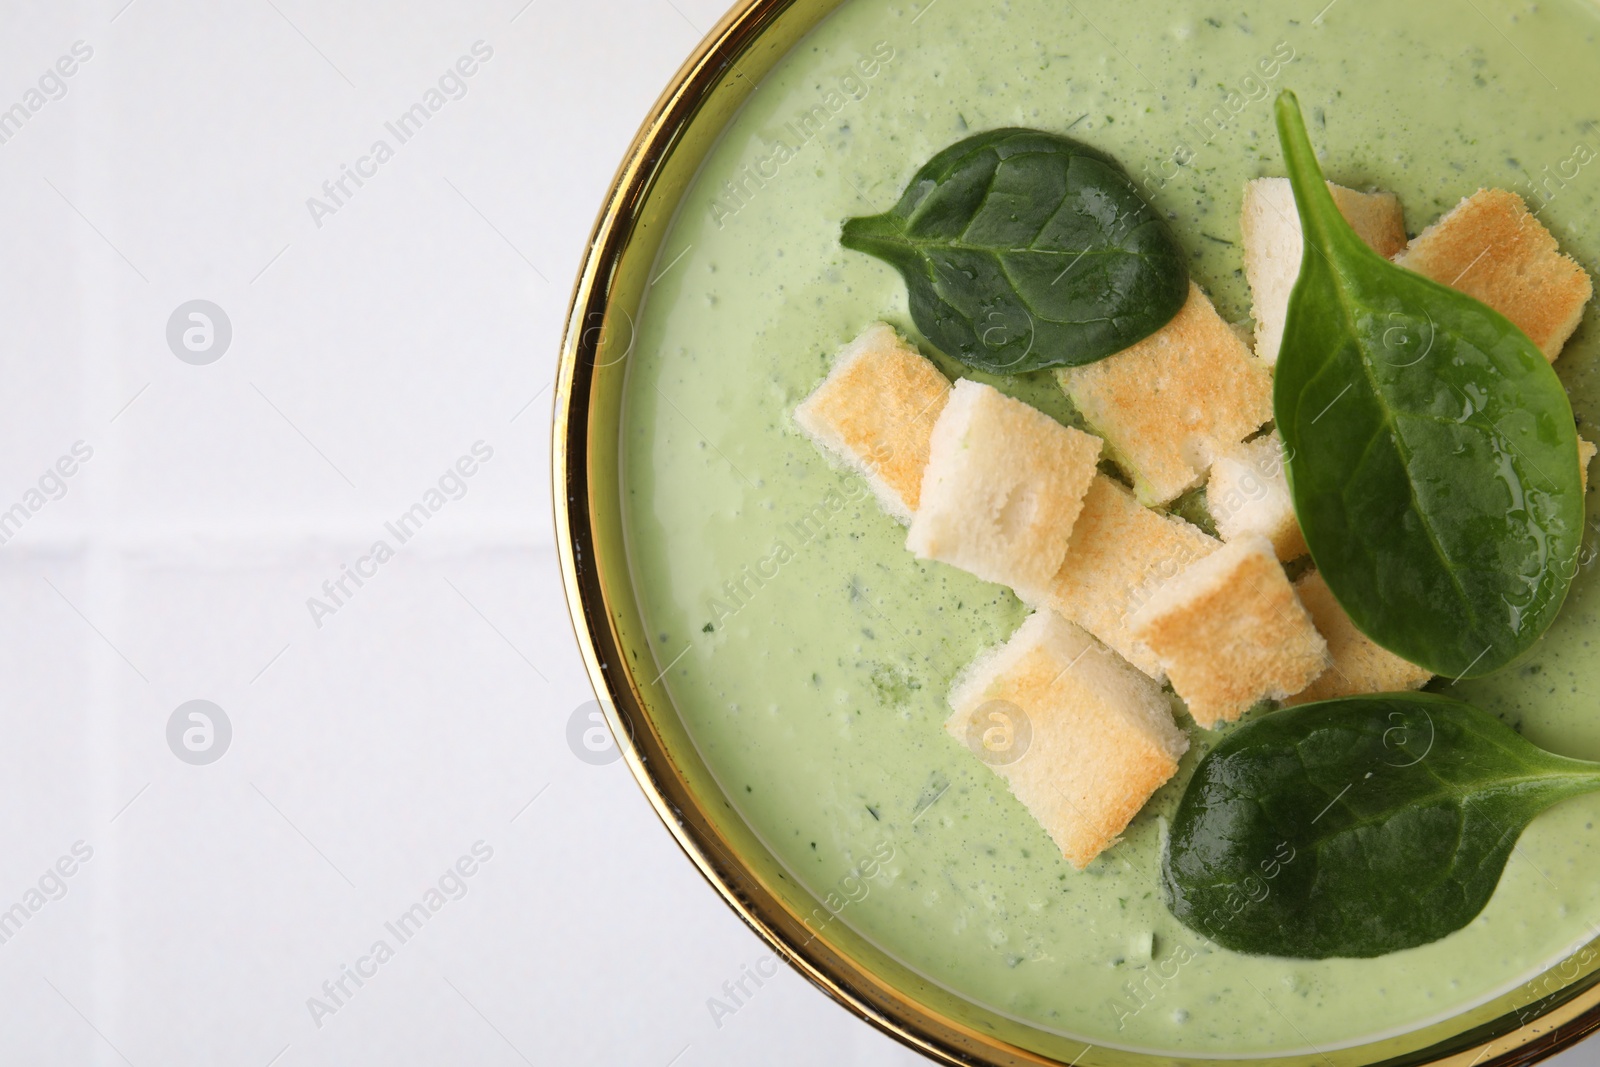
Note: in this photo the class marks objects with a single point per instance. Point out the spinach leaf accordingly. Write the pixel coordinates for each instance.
(1356, 827)
(1022, 250)
(1433, 454)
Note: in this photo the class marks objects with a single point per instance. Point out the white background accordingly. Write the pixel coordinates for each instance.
(371, 347)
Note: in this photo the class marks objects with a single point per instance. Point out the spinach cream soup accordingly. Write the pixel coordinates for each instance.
(811, 654)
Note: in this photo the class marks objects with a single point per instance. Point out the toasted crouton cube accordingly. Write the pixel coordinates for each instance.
(1002, 489)
(1081, 738)
(1169, 404)
(1358, 665)
(1230, 632)
(1269, 228)
(1120, 553)
(875, 412)
(1248, 493)
(1490, 247)
(1586, 451)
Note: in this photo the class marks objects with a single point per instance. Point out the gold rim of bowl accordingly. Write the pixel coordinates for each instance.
(1536, 1019)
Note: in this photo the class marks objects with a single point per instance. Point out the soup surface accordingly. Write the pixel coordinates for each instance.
(811, 654)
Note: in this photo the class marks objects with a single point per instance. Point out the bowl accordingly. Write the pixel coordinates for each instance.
(1537, 1018)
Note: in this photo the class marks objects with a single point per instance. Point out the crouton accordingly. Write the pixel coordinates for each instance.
(1120, 553)
(1170, 403)
(1269, 226)
(1002, 488)
(1248, 493)
(1230, 632)
(1081, 738)
(1586, 452)
(875, 412)
(1358, 665)
(1491, 248)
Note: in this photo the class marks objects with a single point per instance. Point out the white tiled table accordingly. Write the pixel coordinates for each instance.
(379, 739)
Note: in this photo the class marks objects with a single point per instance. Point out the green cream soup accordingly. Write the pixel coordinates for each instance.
(811, 654)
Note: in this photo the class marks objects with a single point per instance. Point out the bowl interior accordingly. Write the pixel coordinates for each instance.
(813, 931)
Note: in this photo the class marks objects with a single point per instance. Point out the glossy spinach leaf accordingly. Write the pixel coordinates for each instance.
(1434, 460)
(1356, 827)
(1022, 250)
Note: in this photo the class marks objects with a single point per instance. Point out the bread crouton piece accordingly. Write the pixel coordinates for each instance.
(1002, 489)
(1248, 493)
(1169, 404)
(1230, 632)
(875, 413)
(1120, 553)
(1490, 247)
(1269, 227)
(1586, 451)
(1359, 665)
(1081, 738)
